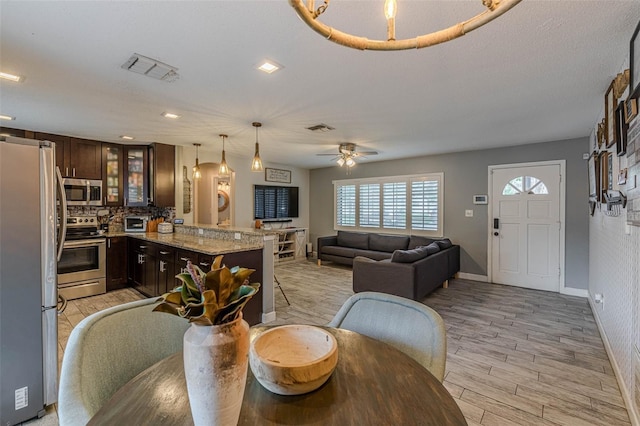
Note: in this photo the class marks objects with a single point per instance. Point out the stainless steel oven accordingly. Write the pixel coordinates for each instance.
(82, 266)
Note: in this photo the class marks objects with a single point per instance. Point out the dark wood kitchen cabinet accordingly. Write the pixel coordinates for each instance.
(149, 178)
(143, 266)
(112, 174)
(18, 133)
(77, 158)
(162, 160)
(116, 263)
(166, 269)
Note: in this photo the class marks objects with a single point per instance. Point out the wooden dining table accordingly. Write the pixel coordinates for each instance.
(373, 384)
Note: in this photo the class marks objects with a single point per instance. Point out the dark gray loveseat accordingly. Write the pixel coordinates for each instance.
(407, 266)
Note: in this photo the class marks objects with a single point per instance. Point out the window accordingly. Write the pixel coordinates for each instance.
(525, 184)
(395, 204)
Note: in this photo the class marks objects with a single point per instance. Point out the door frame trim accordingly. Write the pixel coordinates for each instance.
(563, 182)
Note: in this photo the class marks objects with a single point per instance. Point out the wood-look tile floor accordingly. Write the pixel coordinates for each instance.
(515, 356)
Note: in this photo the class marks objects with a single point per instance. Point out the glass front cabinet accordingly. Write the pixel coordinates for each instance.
(136, 191)
(112, 177)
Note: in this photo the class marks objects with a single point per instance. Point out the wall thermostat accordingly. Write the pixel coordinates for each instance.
(480, 199)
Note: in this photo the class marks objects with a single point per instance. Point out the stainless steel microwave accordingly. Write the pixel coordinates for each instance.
(82, 192)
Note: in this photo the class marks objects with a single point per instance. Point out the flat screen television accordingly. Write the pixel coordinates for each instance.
(275, 203)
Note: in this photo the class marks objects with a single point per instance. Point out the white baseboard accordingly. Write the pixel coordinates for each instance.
(473, 277)
(569, 291)
(626, 395)
(269, 317)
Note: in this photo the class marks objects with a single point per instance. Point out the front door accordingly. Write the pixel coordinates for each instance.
(525, 226)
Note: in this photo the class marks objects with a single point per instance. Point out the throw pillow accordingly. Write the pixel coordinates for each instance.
(417, 241)
(444, 243)
(432, 248)
(409, 256)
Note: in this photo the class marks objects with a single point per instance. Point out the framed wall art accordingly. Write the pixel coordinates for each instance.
(630, 109)
(604, 175)
(621, 131)
(609, 116)
(634, 60)
(277, 175)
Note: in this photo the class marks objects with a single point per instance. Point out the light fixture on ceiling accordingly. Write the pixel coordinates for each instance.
(6, 117)
(11, 77)
(346, 158)
(170, 115)
(308, 14)
(256, 163)
(223, 171)
(196, 169)
(127, 138)
(269, 66)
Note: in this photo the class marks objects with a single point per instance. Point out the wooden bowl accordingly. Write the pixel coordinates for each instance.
(293, 359)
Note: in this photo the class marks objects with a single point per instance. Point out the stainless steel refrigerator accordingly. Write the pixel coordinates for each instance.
(28, 290)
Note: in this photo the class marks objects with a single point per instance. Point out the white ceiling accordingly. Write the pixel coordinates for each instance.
(538, 73)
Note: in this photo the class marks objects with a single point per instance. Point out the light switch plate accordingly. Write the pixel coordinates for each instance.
(468, 213)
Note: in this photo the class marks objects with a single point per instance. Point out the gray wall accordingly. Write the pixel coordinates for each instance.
(465, 174)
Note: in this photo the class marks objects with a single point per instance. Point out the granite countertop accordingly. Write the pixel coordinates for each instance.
(190, 242)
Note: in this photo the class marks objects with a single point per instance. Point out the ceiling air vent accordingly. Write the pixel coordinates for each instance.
(321, 128)
(151, 68)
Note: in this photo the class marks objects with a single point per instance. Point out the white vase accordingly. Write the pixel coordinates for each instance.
(215, 367)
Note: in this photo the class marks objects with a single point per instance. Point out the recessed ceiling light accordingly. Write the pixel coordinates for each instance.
(11, 77)
(6, 117)
(170, 115)
(127, 138)
(269, 66)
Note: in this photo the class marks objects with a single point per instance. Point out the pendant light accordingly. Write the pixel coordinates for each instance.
(196, 169)
(256, 163)
(223, 171)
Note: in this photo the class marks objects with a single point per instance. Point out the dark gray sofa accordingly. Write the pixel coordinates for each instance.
(345, 246)
(406, 266)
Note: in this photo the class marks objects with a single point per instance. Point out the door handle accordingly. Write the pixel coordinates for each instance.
(496, 233)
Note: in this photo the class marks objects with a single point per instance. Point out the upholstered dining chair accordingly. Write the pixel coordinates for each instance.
(409, 326)
(107, 349)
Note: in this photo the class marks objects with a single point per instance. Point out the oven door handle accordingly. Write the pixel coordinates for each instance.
(85, 243)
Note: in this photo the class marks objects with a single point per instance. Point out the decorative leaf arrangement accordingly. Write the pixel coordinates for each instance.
(211, 298)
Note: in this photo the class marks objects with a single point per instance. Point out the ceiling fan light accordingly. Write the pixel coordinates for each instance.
(340, 161)
(350, 162)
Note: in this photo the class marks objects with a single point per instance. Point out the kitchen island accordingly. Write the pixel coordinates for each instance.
(155, 258)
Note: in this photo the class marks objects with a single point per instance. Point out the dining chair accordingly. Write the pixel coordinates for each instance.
(409, 326)
(107, 349)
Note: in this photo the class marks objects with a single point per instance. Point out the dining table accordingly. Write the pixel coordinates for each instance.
(373, 384)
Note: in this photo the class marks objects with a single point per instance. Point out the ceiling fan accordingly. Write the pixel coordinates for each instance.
(347, 154)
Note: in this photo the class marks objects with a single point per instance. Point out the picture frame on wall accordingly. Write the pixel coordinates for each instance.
(277, 175)
(621, 130)
(634, 60)
(604, 175)
(609, 116)
(630, 109)
(596, 168)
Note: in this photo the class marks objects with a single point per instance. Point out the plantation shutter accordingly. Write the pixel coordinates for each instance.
(394, 208)
(424, 205)
(370, 205)
(346, 205)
